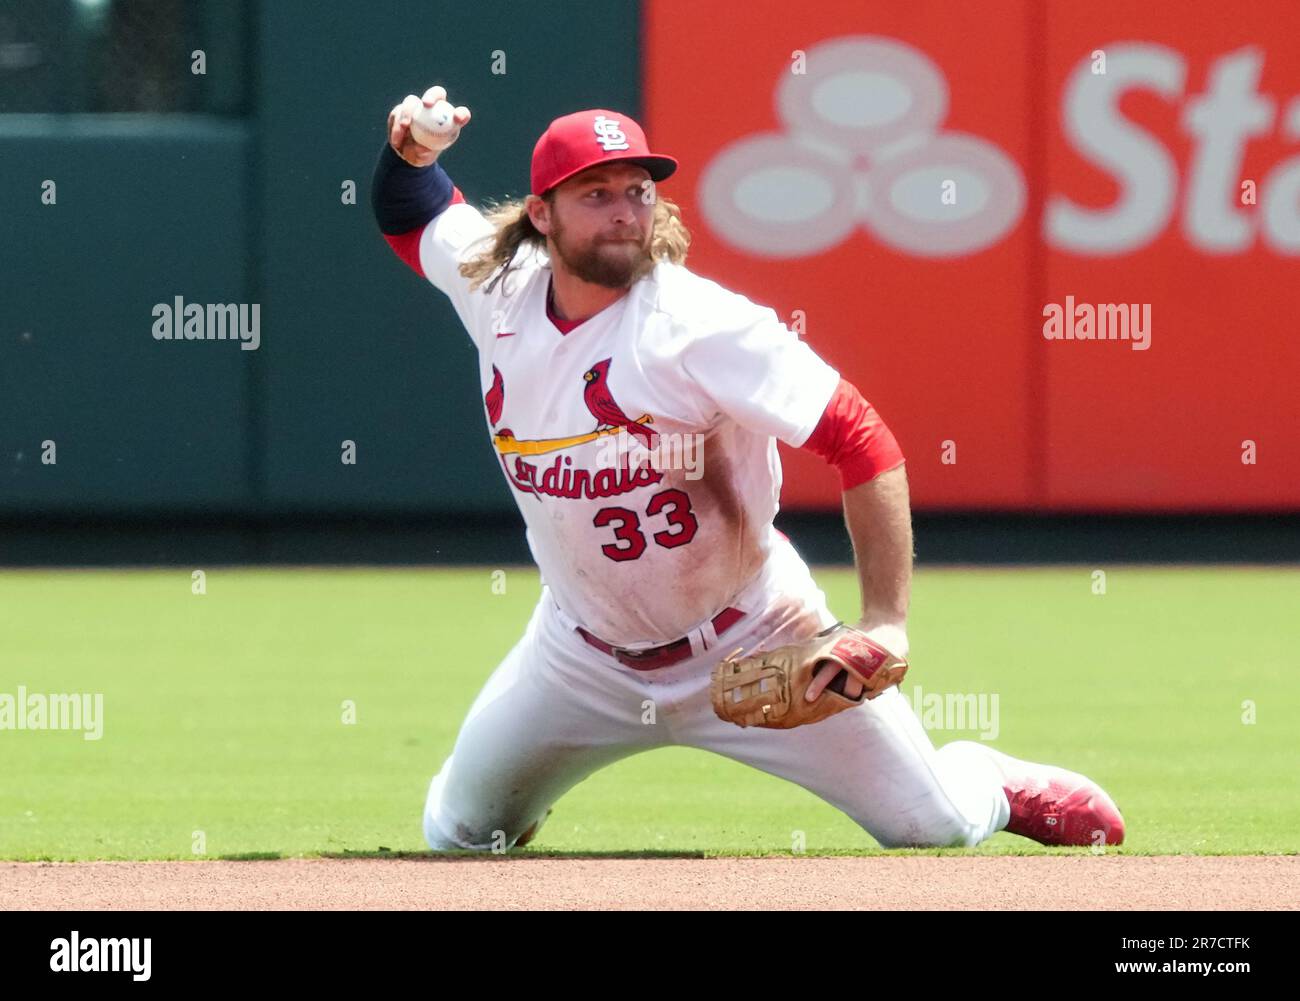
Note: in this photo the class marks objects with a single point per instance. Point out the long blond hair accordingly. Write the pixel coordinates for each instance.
(514, 229)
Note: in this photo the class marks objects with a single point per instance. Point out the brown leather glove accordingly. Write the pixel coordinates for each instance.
(767, 688)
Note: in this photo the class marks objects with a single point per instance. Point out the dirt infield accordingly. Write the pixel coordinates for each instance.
(891, 882)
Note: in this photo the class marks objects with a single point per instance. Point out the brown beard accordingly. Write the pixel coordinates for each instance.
(591, 266)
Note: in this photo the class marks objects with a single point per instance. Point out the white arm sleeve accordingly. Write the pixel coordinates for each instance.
(452, 237)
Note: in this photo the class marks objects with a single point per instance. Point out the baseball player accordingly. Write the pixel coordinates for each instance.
(634, 408)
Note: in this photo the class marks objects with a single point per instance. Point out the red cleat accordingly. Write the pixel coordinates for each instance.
(1057, 807)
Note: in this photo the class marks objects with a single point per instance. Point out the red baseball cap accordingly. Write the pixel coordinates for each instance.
(586, 138)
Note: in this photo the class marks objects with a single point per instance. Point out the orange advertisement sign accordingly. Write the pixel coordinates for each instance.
(1056, 246)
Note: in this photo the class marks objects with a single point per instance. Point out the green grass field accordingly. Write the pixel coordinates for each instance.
(223, 712)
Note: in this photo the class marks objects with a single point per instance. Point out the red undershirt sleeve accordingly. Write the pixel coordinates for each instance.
(852, 437)
(407, 245)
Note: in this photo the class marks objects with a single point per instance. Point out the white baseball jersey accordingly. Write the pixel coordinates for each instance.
(637, 549)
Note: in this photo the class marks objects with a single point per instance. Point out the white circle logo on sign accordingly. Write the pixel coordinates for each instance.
(862, 147)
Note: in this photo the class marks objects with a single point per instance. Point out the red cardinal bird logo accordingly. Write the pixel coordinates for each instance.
(495, 397)
(608, 413)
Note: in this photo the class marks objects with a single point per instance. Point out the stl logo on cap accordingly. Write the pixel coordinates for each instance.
(566, 149)
(609, 134)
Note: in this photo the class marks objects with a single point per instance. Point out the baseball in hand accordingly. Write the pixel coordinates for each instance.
(432, 127)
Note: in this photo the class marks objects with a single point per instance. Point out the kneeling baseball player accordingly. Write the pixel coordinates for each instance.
(634, 408)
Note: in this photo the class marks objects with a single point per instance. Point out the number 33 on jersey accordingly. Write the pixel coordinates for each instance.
(640, 445)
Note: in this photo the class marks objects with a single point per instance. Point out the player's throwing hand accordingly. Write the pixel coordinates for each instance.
(420, 128)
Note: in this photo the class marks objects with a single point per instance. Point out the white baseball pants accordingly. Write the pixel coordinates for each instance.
(557, 709)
